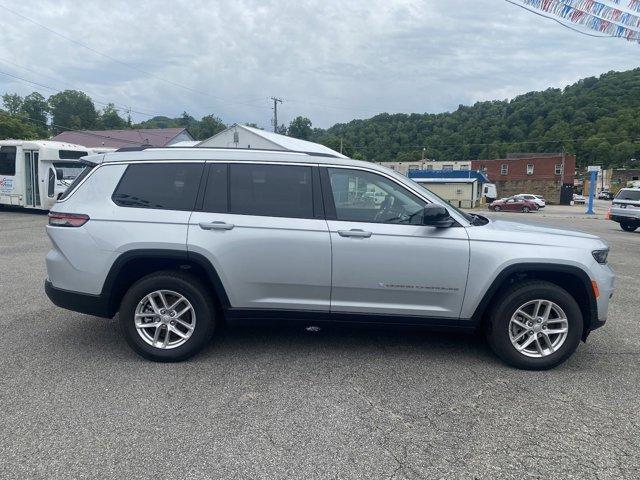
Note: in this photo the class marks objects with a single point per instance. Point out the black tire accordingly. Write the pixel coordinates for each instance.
(497, 326)
(184, 284)
(496, 208)
(525, 209)
(628, 226)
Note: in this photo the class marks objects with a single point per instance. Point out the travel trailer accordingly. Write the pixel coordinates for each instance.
(33, 173)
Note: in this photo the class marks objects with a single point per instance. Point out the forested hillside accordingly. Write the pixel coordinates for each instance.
(596, 118)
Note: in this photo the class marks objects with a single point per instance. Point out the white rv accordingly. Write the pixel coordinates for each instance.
(33, 173)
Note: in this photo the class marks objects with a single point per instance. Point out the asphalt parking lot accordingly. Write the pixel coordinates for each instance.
(282, 403)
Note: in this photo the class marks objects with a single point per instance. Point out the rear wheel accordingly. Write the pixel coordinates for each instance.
(535, 326)
(628, 226)
(167, 316)
(526, 209)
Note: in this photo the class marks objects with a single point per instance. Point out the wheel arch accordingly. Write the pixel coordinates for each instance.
(571, 278)
(132, 265)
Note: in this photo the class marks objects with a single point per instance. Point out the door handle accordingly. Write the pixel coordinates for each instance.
(354, 233)
(216, 226)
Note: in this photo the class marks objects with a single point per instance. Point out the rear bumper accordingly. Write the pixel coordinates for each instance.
(96, 305)
(616, 217)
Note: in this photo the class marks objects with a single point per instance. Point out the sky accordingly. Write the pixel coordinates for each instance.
(329, 60)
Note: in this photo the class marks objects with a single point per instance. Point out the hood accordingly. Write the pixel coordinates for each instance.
(518, 227)
(536, 235)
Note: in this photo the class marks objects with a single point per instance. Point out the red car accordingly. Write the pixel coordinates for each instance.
(513, 204)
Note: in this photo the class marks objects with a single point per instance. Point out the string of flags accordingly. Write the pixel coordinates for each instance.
(595, 15)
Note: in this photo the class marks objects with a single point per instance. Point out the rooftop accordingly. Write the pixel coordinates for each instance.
(155, 137)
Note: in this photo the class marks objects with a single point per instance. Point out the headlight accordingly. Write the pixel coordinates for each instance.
(600, 255)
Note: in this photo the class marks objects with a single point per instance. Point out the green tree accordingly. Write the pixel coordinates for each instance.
(72, 109)
(36, 108)
(12, 103)
(14, 128)
(109, 119)
(300, 127)
(207, 127)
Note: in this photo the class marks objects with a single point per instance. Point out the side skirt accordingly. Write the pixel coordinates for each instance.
(300, 318)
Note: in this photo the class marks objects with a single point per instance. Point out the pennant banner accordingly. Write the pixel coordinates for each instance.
(595, 15)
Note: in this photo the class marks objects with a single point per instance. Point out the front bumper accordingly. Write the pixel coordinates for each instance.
(96, 305)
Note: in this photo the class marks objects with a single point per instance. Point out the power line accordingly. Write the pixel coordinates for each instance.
(97, 52)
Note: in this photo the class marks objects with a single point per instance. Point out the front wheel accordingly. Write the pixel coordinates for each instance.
(525, 209)
(167, 316)
(496, 208)
(535, 325)
(628, 226)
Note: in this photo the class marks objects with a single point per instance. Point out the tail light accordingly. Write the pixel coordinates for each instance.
(607, 216)
(57, 219)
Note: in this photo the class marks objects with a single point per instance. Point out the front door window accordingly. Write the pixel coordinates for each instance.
(361, 196)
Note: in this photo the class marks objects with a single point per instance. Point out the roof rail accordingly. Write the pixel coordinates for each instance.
(313, 154)
(131, 149)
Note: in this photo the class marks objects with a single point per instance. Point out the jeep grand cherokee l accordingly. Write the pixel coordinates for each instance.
(177, 240)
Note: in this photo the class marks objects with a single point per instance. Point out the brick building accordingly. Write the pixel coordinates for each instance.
(537, 173)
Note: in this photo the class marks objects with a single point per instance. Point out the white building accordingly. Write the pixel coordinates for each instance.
(241, 136)
(404, 167)
(459, 192)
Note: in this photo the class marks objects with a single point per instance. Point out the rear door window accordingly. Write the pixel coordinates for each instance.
(633, 195)
(271, 190)
(163, 186)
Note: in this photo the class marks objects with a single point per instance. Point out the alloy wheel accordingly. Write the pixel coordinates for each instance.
(538, 328)
(165, 319)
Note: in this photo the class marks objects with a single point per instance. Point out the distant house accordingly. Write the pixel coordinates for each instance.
(241, 136)
(140, 137)
(461, 188)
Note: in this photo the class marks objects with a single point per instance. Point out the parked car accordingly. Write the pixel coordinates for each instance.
(605, 195)
(579, 199)
(537, 199)
(514, 204)
(625, 209)
(178, 240)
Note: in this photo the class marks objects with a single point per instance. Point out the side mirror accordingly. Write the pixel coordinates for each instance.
(436, 216)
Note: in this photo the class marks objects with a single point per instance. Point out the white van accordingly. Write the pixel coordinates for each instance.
(490, 192)
(33, 173)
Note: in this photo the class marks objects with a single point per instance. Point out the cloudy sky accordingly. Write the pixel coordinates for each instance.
(329, 60)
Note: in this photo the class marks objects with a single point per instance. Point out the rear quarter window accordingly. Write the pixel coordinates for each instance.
(76, 182)
(163, 186)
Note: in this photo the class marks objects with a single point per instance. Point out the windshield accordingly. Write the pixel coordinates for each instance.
(467, 216)
(68, 170)
(628, 195)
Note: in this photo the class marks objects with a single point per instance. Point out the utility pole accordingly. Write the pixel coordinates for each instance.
(275, 113)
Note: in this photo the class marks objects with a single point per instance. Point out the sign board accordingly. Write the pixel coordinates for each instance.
(594, 168)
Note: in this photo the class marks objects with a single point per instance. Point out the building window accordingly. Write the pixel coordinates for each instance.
(504, 169)
(414, 167)
(558, 169)
(447, 168)
(429, 167)
(464, 167)
(530, 169)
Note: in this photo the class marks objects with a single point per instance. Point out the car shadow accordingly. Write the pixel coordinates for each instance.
(96, 336)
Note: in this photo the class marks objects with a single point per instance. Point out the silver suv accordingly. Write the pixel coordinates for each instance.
(178, 240)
